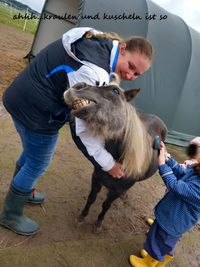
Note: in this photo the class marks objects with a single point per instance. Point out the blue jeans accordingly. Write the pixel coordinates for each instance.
(38, 150)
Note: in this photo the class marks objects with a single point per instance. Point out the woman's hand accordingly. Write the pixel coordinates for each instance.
(116, 171)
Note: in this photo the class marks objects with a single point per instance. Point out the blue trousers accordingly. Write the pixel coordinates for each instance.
(159, 243)
(38, 150)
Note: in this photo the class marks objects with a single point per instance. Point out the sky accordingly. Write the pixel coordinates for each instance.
(34, 4)
(189, 10)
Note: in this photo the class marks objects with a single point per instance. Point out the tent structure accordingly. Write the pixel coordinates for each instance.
(171, 88)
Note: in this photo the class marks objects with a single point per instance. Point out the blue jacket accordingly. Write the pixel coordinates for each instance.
(179, 209)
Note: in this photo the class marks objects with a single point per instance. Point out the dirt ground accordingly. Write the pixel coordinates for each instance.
(61, 241)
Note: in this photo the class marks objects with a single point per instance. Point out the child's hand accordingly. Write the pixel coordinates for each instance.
(116, 171)
(164, 155)
(167, 155)
(161, 157)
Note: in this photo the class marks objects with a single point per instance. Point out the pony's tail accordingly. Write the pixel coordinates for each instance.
(137, 150)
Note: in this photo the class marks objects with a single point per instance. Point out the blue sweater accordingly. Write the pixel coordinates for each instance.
(179, 209)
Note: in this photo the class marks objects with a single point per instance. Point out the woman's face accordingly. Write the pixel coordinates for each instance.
(130, 65)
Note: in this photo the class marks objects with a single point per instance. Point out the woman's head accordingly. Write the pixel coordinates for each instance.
(135, 54)
(135, 58)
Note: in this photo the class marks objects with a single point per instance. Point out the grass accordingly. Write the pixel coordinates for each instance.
(9, 16)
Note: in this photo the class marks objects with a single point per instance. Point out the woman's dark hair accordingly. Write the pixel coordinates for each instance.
(141, 45)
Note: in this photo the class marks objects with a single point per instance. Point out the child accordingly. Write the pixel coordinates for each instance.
(177, 211)
(192, 154)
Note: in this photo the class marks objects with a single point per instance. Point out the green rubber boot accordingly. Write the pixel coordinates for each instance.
(35, 197)
(12, 216)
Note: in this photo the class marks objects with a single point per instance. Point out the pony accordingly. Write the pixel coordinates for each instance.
(130, 136)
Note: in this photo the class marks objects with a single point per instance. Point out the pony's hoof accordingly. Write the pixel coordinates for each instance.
(80, 219)
(97, 227)
(97, 230)
(124, 195)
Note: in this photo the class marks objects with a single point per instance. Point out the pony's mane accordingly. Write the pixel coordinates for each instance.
(136, 146)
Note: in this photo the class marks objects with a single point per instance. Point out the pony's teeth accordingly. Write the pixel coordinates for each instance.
(79, 103)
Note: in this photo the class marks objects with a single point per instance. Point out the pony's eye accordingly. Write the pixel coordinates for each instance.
(116, 91)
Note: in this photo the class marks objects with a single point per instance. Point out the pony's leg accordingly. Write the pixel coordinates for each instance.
(111, 196)
(96, 187)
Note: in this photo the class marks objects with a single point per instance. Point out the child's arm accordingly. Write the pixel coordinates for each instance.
(177, 169)
(188, 191)
(164, 157)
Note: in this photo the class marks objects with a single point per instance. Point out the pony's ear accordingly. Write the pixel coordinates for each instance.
(131, 94)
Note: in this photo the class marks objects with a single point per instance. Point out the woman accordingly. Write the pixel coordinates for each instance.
(35, 102)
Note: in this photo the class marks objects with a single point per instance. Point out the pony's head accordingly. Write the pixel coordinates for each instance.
(102, 108)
